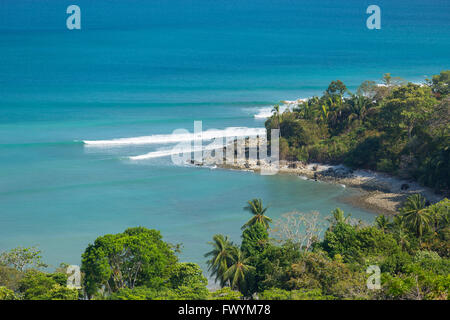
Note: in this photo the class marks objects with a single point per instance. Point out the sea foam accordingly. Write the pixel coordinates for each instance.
(266, 112)
(174, 151)
(183, 137)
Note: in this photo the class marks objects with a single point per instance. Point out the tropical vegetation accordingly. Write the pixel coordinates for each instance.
(396, 127)
(297, 257)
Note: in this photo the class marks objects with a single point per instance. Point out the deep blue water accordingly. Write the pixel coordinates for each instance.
(148, 67)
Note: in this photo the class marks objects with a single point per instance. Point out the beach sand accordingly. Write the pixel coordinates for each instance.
(378, 192)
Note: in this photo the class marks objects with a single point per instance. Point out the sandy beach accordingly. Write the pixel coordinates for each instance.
(378, 192)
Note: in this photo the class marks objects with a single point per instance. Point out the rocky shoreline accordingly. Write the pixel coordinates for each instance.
(379, 192)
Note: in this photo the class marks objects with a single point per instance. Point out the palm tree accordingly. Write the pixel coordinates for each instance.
(325, 112)
(416, 215)
(398, 228)
(220, 257)
(382, 223)
(238, 269)
(311, 108)
(358, 108)
(304, 110)
(256, 208)
(338, 216)
(440, 216)
(335, 109)
(276, 110)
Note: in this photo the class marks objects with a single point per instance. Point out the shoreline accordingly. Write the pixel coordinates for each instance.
(378, 192)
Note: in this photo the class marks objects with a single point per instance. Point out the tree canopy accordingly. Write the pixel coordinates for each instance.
(136, 257)
(396, 127)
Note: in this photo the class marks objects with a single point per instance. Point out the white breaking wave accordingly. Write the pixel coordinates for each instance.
(174, 151)
(180, 137)
(266, 112)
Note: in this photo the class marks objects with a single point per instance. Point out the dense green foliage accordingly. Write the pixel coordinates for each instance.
(136, 257)
(36, 285)
(254, 239)
(133, 265)
(398, 128)
(19, 280)
(225, 293)
(411, 251)
(185, 282)
(7, 294)
(280, 294)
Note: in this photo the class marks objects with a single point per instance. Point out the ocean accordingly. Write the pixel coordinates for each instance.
(146, 68)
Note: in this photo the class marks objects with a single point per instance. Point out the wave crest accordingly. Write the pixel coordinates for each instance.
(176, 138)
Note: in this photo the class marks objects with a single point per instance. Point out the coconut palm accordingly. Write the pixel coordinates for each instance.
(304, 110)
(440, 216)
(325, 112)
(338, 216)
(359, 106)
(256, 208)
(399, 230)
(238, 270)
(276, 111)
(382, 223)
(311, 109)
(335, 110)
(416, 215)
(220, 257)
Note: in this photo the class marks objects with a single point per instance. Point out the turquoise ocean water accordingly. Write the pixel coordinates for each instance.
(142, 68)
